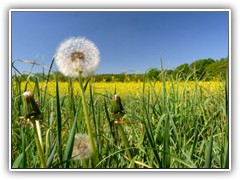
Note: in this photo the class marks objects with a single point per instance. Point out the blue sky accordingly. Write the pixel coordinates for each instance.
(129, 42)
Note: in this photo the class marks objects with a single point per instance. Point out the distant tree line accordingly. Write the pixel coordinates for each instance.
(203, 69)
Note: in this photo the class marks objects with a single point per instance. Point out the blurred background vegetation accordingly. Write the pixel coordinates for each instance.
(202, 69)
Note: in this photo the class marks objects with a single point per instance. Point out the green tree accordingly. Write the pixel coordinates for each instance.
(217, 69)
(199, 67)
(153, 74)
(181, 72)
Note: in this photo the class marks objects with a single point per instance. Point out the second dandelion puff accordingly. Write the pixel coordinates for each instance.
(82, 147)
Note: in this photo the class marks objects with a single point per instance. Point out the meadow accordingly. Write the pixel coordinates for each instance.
(167, 124)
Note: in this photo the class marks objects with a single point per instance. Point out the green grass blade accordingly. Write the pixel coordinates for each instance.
(132, 162)
(18, 72)
(147, 123)
(18, 160)
(52, 154)
(92, 108)
(125, 141)
(182, 161)
(86, 84)
(23, 137)
(36, 88)
(208, 159)
(111, 124)
(157, 135)
(46, 84)
(69, 146)
(226, 155)
(226, 140)
(59, 120)
(195, 139)
(71, 97)
(166, 146)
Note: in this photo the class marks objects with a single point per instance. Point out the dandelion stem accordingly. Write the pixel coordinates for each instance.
(39, 132)
(37, 135)
(125, 142)
(87, 119)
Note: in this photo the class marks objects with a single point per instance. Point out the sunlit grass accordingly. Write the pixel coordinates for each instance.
(174, 124)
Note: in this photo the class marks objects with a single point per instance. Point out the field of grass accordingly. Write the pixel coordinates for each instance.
(173, 124)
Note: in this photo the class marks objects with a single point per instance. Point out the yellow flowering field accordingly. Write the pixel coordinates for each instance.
(132, 88)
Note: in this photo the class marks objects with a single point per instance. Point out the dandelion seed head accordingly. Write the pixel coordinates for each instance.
(82, 147)
(30, 107)
(27, 94)
(116, 97)
(77, 55)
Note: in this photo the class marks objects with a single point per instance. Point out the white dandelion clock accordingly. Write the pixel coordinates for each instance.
(82, 147)
(77, 55)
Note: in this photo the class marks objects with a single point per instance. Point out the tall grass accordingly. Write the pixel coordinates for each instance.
(173, 127)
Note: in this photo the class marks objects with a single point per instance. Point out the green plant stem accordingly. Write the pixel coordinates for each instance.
(85, 163)
(87, 119)
(125, 142)
(37, 134)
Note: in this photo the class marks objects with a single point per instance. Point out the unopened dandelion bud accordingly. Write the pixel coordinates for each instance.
(116, 106)
(82, 147)
(30, 107)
